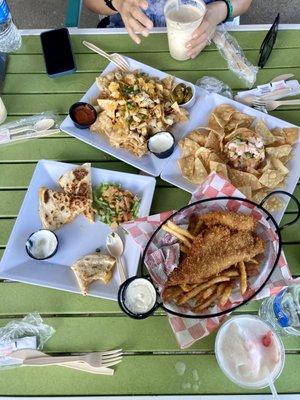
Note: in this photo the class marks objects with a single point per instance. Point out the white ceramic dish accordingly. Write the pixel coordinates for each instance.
(204, 105)
(75, 240)
(148, 163)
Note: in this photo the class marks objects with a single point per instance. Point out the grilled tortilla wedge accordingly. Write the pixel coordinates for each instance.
(77, 182)
(93, 267)
(58, 208)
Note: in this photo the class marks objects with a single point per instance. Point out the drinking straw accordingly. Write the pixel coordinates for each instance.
(272, 386)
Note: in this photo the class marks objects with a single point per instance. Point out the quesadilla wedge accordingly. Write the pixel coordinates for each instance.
(77, 182)
(58, 208)
(93, 267)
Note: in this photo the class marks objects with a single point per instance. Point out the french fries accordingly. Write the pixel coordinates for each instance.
(225, 295)
(186, 287)
(243, 277)
(232, 273)
(209, 291)
(189, 295)
(182, 231)
(172, 292)
(206, 304)
(220, 289)
(179, 236)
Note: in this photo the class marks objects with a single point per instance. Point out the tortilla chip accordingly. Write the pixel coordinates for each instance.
(279, 151)
(263, 131)
(240, 178)
(181, 113)
(188, 147)
(219, 168)
(271, 178)
(199, 136)
(238, 120)
(279, 166)
(109, 106)
(200, 172)
(285, 159)
(246, 190)
(259, 195)
(168, 82)
(274, 204)
(291, 135)
(207, 155)
(279, 136)
(186, 166)
(215, 124)
(213, 142)
(224, 112)
(268, 165)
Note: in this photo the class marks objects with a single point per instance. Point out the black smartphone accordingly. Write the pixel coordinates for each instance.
(58, 53)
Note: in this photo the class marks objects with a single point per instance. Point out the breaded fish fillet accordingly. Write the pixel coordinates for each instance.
(232, 220)
(213, 251)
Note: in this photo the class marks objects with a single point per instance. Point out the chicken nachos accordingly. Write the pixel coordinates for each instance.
(134, 106)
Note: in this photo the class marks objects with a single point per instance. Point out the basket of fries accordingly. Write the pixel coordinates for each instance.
(213, 255)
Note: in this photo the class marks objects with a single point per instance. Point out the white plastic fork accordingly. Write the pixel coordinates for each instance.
(116, 58)
(26, 354)
(96, 360)
(272, 105)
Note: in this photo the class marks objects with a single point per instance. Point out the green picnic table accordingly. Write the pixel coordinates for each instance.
(85, 324)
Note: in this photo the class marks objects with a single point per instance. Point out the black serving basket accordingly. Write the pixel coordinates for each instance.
(269, 230)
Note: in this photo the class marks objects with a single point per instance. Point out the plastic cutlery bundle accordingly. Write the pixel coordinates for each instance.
(273, 90)
(95, 363)
(39, 125)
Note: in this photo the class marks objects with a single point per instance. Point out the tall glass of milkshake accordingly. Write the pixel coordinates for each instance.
(182, 18)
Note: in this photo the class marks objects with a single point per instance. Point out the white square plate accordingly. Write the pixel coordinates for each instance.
(204, 105)
(76, 239)
(148, 163)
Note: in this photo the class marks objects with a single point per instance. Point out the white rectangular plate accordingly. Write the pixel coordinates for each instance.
(204, 105)
(148, 163)
(76, 239)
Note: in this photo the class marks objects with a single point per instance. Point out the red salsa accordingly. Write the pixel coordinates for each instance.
(84, 115)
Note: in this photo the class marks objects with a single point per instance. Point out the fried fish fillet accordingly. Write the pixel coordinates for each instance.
(232, 220)
(214, 250)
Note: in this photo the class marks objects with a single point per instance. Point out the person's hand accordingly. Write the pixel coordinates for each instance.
(216, 13)
(201, 37)
(134, 19)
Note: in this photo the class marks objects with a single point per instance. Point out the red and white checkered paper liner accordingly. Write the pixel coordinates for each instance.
(162, 255)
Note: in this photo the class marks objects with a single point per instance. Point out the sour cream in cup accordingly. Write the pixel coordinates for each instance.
(42, 244)
(137, 297)
(161, 144)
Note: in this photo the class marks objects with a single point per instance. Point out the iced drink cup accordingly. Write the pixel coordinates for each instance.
(182, 19)
(248, 350)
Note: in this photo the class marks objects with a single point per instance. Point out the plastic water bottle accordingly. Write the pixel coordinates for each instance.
(10, 38)
(283, 311)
